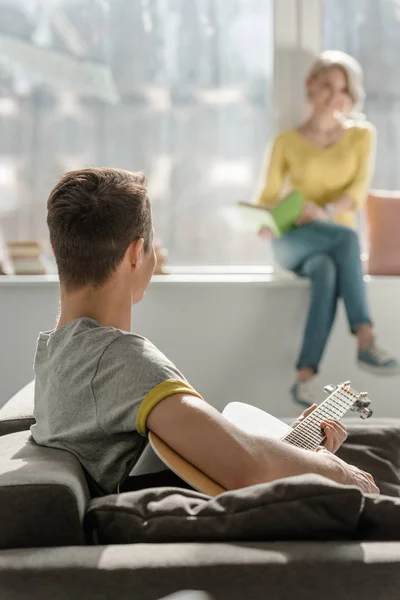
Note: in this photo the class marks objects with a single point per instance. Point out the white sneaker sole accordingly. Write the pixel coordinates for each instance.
(383, 371)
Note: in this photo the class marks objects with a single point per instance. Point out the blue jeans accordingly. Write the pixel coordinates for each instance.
(328, 255)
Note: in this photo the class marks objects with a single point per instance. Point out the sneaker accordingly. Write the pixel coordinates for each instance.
(303, 393)
(376, 360)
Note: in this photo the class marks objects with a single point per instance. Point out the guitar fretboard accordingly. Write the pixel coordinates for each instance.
(308, 433)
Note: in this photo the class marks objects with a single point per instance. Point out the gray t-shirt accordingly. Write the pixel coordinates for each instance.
(94, 389)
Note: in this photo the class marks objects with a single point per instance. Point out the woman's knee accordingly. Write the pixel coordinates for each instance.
(285, 253)
(349, 238)
(321, 267)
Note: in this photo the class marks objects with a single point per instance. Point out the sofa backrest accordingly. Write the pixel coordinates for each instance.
(43, 494)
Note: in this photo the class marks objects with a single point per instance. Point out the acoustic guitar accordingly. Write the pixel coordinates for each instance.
(307, 434)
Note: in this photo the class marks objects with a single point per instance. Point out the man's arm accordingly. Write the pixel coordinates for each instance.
(235, 459)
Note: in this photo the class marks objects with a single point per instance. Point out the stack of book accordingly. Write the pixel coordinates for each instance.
(161, 256)
(25, 258)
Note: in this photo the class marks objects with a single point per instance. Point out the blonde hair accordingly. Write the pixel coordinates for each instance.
(352, 69)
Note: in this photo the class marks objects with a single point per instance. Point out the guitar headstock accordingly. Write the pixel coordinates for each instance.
(361, 400)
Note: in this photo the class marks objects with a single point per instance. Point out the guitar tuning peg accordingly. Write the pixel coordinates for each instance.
(363, 395)
(346, 383)
(328, 389)
(365, 413)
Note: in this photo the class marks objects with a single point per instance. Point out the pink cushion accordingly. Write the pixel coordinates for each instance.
(383, 214)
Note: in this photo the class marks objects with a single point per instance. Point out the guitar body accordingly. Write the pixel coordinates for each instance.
(249, 418)
(184, 469)
(254, 421)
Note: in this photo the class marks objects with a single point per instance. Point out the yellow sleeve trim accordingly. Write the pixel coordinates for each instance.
(161, 391)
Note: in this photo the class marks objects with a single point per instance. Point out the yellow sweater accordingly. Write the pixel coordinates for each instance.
(322, 175)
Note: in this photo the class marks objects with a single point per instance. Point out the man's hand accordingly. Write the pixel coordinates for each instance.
(334, 431)
(311, 212)
(304, 414)
(349, 474)
(234, 458)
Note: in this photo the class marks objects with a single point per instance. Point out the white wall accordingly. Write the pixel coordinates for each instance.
(234, 337)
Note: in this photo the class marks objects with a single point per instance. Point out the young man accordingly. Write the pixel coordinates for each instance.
(99, 389)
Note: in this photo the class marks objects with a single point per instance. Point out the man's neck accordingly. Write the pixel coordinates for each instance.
(109, 306)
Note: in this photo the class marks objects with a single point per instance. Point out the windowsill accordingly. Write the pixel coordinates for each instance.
(170, 278)
(183, 275)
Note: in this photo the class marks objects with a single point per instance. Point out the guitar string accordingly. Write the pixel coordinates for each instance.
(338, 404)
(313, 438)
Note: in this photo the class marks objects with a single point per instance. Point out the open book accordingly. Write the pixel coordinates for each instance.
(279, 219)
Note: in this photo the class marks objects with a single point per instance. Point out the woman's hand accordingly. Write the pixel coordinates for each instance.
(266, 234)
(311, 212)
(334, 431)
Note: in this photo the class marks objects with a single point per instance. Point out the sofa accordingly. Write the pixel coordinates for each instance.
(304, 538)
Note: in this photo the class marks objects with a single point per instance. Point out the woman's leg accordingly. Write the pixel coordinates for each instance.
(342, 245)
(322, 272)
(371, 357)
(345, 251)
(298, 251)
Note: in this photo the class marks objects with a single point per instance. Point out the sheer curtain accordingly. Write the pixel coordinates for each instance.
(180, 89)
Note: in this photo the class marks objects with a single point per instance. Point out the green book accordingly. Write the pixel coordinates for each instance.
(279, 219)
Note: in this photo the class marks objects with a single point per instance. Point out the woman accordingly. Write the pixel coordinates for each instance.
(328, 159)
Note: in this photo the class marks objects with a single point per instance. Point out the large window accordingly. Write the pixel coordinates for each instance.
(370, 31)
(181, 89)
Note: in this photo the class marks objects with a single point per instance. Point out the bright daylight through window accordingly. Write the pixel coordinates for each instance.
(180, 90)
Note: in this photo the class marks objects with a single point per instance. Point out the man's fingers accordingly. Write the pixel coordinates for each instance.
(369, 484)
(337, 427)
(329, 439)
(335, 434)
(369, 476)
(304, 414)
(309, 410)
(335, 424)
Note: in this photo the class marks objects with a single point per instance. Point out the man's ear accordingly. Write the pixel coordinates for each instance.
(136, 252)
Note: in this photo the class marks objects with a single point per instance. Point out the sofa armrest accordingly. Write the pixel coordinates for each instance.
(17, 413)
(43, 494)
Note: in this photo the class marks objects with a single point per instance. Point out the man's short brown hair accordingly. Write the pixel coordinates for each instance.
(93, 216)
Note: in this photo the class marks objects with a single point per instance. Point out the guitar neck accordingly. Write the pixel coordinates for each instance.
(308, 433)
